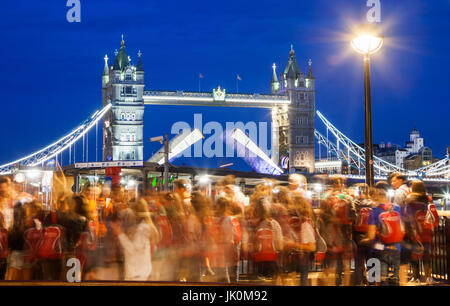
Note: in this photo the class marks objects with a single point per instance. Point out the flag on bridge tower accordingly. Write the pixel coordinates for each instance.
(200, 76)
(238, 78)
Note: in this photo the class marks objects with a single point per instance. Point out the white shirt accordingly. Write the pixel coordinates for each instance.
(8, 217)
(138, 264)
(307, 234)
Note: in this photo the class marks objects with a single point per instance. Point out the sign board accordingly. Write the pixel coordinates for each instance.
(137, 163)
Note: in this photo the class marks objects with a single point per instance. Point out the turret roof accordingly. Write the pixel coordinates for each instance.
(139, 66)
(121, 60)
(292, 69)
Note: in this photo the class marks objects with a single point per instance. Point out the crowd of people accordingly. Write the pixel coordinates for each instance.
(278, 233)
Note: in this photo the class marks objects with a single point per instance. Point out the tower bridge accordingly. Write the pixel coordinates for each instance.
(293, 113)
(292, 101)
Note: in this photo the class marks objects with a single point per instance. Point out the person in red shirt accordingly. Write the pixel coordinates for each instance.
(421, 219)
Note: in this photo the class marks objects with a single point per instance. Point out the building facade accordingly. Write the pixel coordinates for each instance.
(412, 156)
(123, 125)
(293, 126)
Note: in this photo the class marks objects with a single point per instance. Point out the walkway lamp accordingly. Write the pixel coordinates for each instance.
(367, 42)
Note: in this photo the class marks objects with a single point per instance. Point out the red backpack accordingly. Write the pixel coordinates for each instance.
(237, 231)
(362, 218)
(33, 237)
(4, 251)
(392, 228)
(165, 230)
(88, 240)
(51, 243)
(213, 242)
(341, 207)
(266, 250)
(426, 221)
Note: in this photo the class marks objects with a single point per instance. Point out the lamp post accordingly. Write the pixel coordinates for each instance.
(367, 42)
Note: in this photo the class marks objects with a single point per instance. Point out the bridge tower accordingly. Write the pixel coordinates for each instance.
(123, 87)
(293, 126)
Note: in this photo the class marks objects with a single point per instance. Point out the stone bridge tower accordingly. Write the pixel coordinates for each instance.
(123, 87)
(293, 126)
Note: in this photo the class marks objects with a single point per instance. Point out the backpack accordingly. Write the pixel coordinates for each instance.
(213, 242)
(88, 240)
(426, 221)
(165, 231)
(392, 228)
(33, 238)
(321, 247)
(362, 218)
(266, 250)
(50, 246)
(4, 251)
(341, 207)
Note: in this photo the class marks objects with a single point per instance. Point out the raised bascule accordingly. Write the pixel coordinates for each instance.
(293, 114)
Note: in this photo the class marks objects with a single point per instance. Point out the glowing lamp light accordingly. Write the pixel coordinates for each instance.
(204, 179)
(447, 196)
(367, 41)
(19, 178)
(131, 183)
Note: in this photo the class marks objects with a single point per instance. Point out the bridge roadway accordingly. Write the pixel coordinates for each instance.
(155, 97)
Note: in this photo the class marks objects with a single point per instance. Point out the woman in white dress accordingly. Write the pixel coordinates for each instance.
(136, 243)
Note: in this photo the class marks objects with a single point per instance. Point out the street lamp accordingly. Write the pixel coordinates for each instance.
(367, 42)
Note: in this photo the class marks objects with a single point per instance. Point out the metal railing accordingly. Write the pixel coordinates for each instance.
(440, 258)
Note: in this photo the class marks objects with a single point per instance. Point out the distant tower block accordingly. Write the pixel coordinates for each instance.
(123, 87)
(293, 126)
